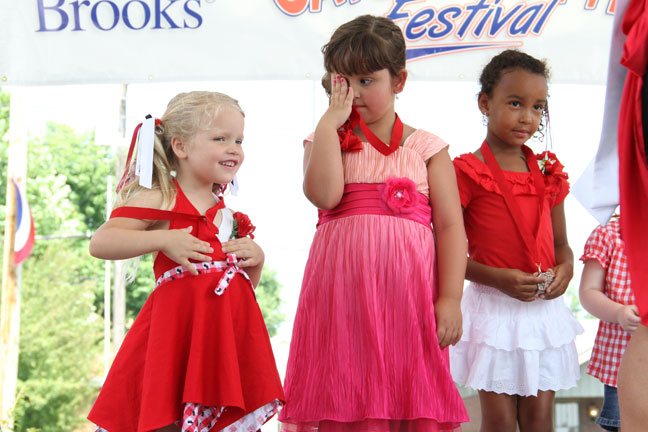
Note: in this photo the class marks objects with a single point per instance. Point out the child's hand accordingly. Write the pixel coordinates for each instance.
(519, 285)
(249, 253)
(181, 246)
(447, 312)
(340, 103)
(628, 318)
(562, 275)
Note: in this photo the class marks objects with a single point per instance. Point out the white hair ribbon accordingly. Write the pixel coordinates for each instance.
(144, 160)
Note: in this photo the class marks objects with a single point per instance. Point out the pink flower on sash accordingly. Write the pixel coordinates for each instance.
(399, 195)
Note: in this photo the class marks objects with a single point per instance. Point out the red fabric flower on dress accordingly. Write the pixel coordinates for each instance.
(548, 163)
(400, 195)
(349, 142)
(242, 226)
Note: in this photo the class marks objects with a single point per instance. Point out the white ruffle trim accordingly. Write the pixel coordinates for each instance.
(491, 317)
(514, 347)
(519, 372)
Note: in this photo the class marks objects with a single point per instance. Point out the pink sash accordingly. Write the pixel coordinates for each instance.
(396, 197)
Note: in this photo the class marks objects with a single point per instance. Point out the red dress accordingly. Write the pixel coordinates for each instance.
(633, 169)
(191, 345)
(492, 237)
(510, 346)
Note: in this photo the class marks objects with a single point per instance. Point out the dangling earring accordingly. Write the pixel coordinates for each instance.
(484, 119)
(539, 134)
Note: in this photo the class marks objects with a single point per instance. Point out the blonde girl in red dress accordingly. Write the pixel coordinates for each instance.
(517, 347)
(198, 356)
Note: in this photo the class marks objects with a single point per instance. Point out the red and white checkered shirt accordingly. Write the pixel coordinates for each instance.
(605, 246)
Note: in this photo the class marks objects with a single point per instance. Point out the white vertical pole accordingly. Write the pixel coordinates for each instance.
(107, 288)
(119, 278)
(10, 309)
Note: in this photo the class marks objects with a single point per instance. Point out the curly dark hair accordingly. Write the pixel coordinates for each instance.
(363, 45)
(506, 61)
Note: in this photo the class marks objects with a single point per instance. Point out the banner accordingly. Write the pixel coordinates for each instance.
(25, 234)
(127, 41)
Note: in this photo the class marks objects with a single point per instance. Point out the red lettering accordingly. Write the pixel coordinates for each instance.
(292, 7)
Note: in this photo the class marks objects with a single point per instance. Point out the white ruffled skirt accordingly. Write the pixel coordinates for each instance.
(514, 347)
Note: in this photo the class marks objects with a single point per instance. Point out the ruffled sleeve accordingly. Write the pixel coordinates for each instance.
(556, 179)
(309, 138)
(466, 178)
(598, 246)
(425, 143)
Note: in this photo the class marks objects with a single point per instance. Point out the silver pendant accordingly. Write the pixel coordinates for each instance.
(542, 286)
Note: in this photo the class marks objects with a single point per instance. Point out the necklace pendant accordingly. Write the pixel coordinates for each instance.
(542, 286)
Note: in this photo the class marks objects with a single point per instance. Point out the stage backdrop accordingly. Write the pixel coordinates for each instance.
(121, 41)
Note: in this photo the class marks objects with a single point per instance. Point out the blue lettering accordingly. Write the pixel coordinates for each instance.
(115, 10)
(474, 10)
(448, 25)
(77, 21)
(126, 18)
(522, 22)
(159, 13)
(56, 15)
(57, 8)
(480, 27)
(193, 14)
(419, 20)
(541, 22)
(498, 22)
(395, 12)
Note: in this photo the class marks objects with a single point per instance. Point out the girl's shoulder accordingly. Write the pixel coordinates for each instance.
(424, 143)
(469, 167)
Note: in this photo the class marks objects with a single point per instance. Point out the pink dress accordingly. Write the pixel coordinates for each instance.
(364, 354)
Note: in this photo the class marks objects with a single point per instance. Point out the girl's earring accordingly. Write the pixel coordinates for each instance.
(484, 119)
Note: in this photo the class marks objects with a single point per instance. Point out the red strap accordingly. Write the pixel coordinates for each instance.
(529, 235)
(394, 142)
(151, 214)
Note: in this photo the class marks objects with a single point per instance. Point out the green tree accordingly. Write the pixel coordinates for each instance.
(59, 341)
(268, 295)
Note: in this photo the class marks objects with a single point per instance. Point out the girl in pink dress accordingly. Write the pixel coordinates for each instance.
(378, 306)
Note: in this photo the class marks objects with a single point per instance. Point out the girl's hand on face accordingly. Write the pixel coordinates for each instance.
(340, 102)
(519, 285)
(562, 275)
(181, 246)
(628, 318)
(447, 312)
(249, 253)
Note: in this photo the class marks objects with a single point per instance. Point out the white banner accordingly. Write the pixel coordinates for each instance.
(126, 41)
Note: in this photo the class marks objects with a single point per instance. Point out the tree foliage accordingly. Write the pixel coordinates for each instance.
(60, 341)
(268, 295)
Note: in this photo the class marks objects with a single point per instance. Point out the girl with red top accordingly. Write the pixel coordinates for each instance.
(379, 305)
(198, 356)
(517, 347)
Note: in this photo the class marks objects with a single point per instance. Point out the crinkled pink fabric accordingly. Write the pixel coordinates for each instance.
(364, 354)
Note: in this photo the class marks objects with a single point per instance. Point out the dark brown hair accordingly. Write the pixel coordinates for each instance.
(506, 61)
(363, 45)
